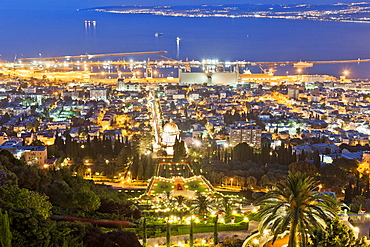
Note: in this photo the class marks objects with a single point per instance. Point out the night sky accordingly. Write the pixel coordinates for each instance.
(51, 4)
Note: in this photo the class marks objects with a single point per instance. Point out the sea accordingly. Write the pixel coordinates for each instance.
(46, 33)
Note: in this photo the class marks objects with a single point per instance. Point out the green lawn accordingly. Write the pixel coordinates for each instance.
(196, 186)
(162, 187)
(209, 228)
(160, 230)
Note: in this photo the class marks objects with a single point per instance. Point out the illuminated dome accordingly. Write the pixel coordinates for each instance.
(169, 135)
(170, 128)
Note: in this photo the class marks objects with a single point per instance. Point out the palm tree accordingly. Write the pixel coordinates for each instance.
(227, 205)
(295, 206)
(180, 200)
(203, 204)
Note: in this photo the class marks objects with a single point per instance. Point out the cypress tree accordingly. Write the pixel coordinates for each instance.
(140, 171)
(215, 231)
(60, 143)
(294, 157)
(135, 166)
(149, 171)
(68, 144)
(182, 150)
(191, 235)
(179, 150)
(107, 147)
(5, 234)
(117, 148)
(88, 146)
(145, 235)
(168, 234)
(316, 159)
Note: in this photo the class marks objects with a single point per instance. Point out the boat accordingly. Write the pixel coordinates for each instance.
(158, 34)
(90, 22)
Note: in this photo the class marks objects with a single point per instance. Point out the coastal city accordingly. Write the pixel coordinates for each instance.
(343, 12)
(182, 153)
(184, 123)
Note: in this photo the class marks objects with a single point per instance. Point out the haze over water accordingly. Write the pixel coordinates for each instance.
(63, 32)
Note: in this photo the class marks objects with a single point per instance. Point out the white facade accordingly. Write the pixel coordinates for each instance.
(98, 94)
(169, 135)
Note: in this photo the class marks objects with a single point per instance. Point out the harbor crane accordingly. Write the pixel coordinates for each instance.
(91, 61)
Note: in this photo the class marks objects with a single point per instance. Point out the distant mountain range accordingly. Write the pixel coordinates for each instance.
(345, 12)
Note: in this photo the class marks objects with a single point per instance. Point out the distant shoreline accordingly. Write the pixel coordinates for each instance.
(359, 13)
(225, 16)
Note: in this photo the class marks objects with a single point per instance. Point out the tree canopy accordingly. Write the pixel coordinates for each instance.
(297, 207)
(21, 198)
(336, 234)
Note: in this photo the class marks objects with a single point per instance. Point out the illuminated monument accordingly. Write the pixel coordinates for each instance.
(169, 135)
(175, 177)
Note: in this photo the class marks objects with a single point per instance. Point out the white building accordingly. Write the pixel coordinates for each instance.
(99, 94)
(169, 135)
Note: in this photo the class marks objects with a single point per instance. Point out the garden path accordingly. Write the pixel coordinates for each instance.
(253, 225)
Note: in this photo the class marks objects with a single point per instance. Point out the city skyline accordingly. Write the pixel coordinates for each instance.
(184, 126)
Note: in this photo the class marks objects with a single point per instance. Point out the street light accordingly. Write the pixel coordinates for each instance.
(197, 143)
(128, 177)
(368, 182)
(345, 73)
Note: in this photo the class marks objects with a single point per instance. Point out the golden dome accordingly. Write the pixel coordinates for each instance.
(170, 128)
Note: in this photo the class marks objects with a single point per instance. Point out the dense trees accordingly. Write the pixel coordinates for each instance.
(218, 172)
(232, 117)
(104, 146)
(28, 196)
(297, 207)
(15, 197)
(179, 151)
(31, 229)
(96, 237)
(243, 162)
(336, 234)
(108, 154)
(304, 167)
(32, 177)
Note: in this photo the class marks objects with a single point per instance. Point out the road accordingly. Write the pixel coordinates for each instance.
(155, 116)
